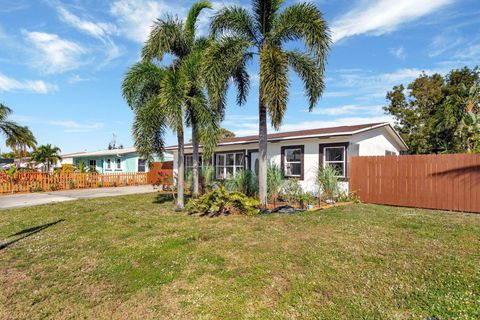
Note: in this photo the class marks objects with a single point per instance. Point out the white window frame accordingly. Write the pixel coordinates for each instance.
(117, 167)
(144, 164)
(344, 162)
(286, 162)
(108, 164)
(235, 166)
(390, 153)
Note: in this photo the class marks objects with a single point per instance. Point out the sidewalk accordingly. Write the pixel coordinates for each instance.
(33, 199)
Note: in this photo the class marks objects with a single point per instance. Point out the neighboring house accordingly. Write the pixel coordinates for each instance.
(301, 153)
(111, 161)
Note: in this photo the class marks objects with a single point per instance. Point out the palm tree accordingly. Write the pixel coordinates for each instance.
(264, 32)
(468, 130)
(10, 129)
(21, 142)
(167, 97)
(46, 154)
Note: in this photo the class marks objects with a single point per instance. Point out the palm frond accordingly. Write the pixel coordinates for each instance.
(191, 21)
(167, 36)
(173, 94)
(312, 76)
(303, 21)
(274, 82)
(264, 12)
(234, 21)
(141, 81)
(148, 129)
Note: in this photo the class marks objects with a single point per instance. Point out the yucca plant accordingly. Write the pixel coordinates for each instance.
(274, 182)
(327, 182)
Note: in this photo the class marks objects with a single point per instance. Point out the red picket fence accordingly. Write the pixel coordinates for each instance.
(447, 181)
(38, 181)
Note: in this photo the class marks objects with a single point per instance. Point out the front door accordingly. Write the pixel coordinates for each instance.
(254, 162)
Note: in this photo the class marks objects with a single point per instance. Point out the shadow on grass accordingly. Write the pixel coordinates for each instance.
(27, 233)
(163, 198)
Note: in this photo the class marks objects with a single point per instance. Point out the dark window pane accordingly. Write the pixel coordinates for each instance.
(293, 169)
(229, 173)
(239, 158)
(220, 160)
(141, 165)
(334, 154)
(189, 161)
(230, 159)
(293, 154)
(219, 172)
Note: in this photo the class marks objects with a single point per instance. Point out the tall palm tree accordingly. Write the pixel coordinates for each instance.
(167, 97)
(46, 154)
(21, 142)
(10, 129)
(264, 32)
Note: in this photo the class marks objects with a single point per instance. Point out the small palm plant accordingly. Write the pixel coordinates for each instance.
(327, 181)
(244, 181)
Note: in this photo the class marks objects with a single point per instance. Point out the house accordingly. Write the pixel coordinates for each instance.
(110, 161)
(301, 153)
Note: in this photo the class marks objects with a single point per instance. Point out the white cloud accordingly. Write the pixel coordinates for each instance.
(347, 109)
(378, 17)
(36, 86)
(54, 54)
(135, 17)
(398, 53)
(67, 125)
(98, 30)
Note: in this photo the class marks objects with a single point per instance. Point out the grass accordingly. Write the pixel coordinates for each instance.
(133, 257)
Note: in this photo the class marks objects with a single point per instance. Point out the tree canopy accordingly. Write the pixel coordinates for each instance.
(430, 113)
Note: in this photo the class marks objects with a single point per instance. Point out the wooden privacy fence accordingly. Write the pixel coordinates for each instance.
(161, 174)
(447, 181)
(37, 181)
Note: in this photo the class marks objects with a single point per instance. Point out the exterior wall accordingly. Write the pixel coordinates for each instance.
(373, 142)
(129, 163)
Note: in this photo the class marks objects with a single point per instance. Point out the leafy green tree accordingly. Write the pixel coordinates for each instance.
(428, 113)
(264, 31)
(468, 130)
(46, 154)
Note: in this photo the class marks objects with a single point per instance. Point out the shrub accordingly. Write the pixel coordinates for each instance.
(222, 202)
(244, 181)
(291, 190)
(306, 198)
(274, 181)
(327, 181)
(208, 175)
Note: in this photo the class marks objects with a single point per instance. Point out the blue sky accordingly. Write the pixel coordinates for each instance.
(62, 62)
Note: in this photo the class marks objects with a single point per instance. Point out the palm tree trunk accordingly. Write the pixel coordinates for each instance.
(181, 171)
(262, 151)
(195, 172)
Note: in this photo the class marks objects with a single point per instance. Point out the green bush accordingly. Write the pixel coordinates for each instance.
(222, 202)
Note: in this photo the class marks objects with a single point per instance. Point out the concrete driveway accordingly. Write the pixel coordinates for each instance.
(33, 199)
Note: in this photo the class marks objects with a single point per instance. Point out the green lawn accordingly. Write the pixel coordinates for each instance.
(132, 257)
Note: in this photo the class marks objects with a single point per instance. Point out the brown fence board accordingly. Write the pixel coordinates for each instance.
(448, 182)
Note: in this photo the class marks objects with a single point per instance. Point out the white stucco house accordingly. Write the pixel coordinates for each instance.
(301, 153)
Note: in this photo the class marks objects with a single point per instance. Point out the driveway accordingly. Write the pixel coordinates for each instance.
(33, 199)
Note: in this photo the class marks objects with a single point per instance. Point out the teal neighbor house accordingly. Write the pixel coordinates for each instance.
(111, 161)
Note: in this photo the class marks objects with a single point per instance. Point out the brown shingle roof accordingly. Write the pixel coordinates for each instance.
(330, 131)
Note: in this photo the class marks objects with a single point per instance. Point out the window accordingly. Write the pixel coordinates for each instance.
(335, 157)
(109, 164)
(189, 162)
(227, 164)
(292, 161)
(118, 163)
(92, 164)
(141, 165)
(390, 153)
